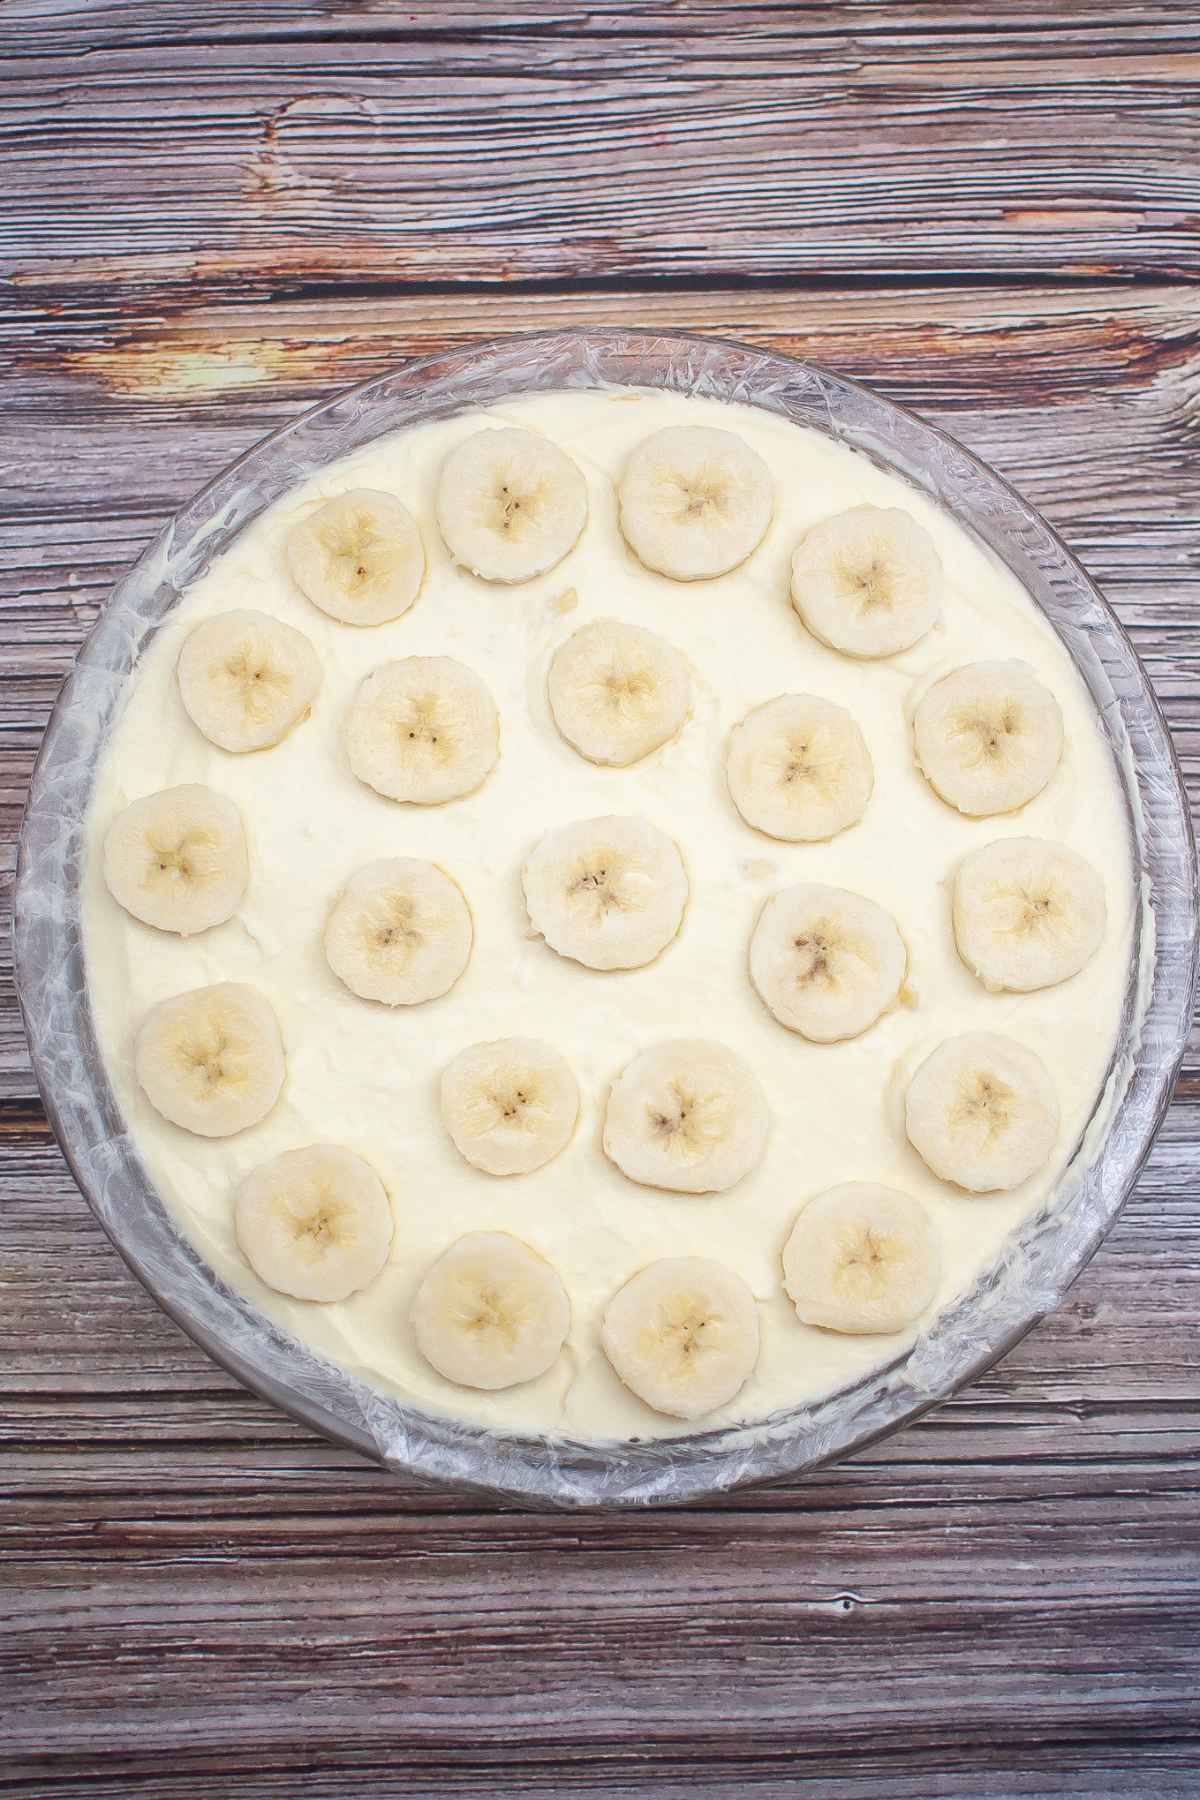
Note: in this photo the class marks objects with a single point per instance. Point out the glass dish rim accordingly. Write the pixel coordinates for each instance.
(540, 1470)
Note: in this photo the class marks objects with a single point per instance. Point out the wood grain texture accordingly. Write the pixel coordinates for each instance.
(214, 215)
(344, 143)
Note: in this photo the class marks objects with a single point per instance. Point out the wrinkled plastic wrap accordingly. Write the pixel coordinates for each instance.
(1038, 1264)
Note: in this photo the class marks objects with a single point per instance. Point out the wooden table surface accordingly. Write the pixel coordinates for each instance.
(214, 213)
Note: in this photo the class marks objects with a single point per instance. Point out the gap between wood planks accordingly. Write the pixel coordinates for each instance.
(41, 282)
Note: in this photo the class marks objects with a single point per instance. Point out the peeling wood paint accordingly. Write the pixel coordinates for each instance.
(150, 370)
(963, 344)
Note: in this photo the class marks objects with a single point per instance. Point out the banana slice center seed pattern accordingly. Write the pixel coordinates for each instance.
(988, 735)
(255, 682)
(869, 583)
(984, 1107)
(694, 1123)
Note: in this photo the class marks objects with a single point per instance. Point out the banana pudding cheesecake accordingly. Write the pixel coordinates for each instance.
(603, 915)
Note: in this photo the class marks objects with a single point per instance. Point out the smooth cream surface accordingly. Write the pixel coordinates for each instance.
(366, 1076)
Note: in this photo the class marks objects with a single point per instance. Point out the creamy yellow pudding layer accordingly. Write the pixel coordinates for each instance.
(366, 1076)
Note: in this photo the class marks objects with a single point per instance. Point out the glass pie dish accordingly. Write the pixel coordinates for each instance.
(1041, 1259)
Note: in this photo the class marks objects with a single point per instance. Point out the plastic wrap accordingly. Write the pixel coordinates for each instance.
(1039, 1263)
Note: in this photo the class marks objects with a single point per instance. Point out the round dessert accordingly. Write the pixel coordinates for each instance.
(603, 915)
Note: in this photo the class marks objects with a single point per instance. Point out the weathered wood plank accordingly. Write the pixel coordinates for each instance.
(978, 346)
(628, 1646)
(946, 27)
(387, 146)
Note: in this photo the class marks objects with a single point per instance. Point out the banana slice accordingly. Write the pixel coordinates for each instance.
(510, 505)
(868, 581)
(246, 679)
(211, 1060)
(686, 1115)
(695, 501)
(608, 893)
(423, 730)
(799, 769)
(826, 962)
(315, 1223)
(491, 1313)
(359, 557)
(988, 737)
(1027, 913)
(982, 1112)
(177, 859)
(862, 1258)
(682, 1334)
(399, 932)
(618, 692)
(510, 1106)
